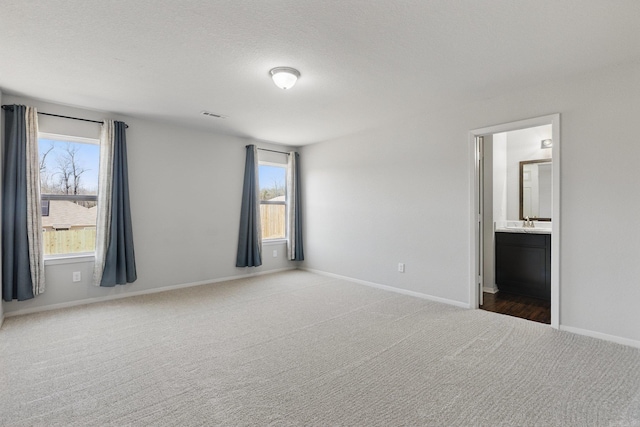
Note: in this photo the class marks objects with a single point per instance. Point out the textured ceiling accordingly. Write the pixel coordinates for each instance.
(362, 62)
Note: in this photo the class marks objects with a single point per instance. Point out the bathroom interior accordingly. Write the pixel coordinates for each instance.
(517, 215)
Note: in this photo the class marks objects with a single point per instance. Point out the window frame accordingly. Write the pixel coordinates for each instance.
(71, 257)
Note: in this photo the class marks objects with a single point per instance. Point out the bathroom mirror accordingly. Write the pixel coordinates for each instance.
(535, 189)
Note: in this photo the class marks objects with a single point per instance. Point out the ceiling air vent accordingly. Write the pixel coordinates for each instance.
(210, 114)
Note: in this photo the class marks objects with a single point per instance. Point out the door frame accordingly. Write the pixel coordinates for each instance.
(476, 196)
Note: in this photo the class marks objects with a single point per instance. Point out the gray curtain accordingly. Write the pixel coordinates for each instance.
(295, 251)
(119, 265)
(22, 257)
(250, 236)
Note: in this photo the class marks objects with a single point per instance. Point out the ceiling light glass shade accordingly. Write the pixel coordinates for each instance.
(284, 77)
(546, 143)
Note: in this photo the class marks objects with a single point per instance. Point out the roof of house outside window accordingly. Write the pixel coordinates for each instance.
(66, 212)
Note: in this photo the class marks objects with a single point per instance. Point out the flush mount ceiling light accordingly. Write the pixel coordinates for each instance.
(284, 77)
(546, 143)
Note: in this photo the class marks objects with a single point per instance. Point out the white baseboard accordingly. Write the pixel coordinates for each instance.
(489, 290)
(602, 336)
(593, 334)
(389, 288)
(137, 293)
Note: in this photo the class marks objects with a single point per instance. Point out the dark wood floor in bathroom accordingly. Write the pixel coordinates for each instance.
(528, 308)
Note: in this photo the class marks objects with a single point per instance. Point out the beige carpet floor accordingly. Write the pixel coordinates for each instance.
(299, 349)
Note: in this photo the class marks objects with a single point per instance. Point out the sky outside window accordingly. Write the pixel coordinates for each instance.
(272, 181)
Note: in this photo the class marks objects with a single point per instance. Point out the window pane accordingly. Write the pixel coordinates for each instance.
(272, 181)
(68, 168)
(69, 241)
(272, 190)
(272, 219)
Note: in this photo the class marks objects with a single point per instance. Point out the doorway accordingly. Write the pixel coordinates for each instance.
(499, 204)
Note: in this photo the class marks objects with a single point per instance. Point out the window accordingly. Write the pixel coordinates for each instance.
(272, 178)
(69, 187)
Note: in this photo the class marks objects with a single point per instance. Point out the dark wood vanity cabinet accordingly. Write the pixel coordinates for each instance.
(523, 264)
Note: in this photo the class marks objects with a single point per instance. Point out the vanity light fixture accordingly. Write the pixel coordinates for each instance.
(546, 143)
(284, 77)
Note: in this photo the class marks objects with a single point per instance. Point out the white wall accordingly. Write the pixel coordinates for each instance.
(186, 188)
(522, 145)
(400, 193)
(390, 195)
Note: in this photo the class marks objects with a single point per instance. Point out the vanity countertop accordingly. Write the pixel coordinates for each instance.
(528, 230)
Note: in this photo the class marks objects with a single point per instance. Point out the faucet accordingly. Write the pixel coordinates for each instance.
(528, 223)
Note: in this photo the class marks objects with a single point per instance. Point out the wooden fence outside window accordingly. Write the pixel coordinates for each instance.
(69, 241)
(272, 217)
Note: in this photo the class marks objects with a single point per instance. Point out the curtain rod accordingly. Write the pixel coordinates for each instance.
(273, 151)
(10, 108)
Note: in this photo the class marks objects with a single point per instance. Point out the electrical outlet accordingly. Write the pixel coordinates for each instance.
(275, 253)
(401, 267)
(77, 276)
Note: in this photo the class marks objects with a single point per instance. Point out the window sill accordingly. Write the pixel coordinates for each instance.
(70, 259)
(274, 242)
